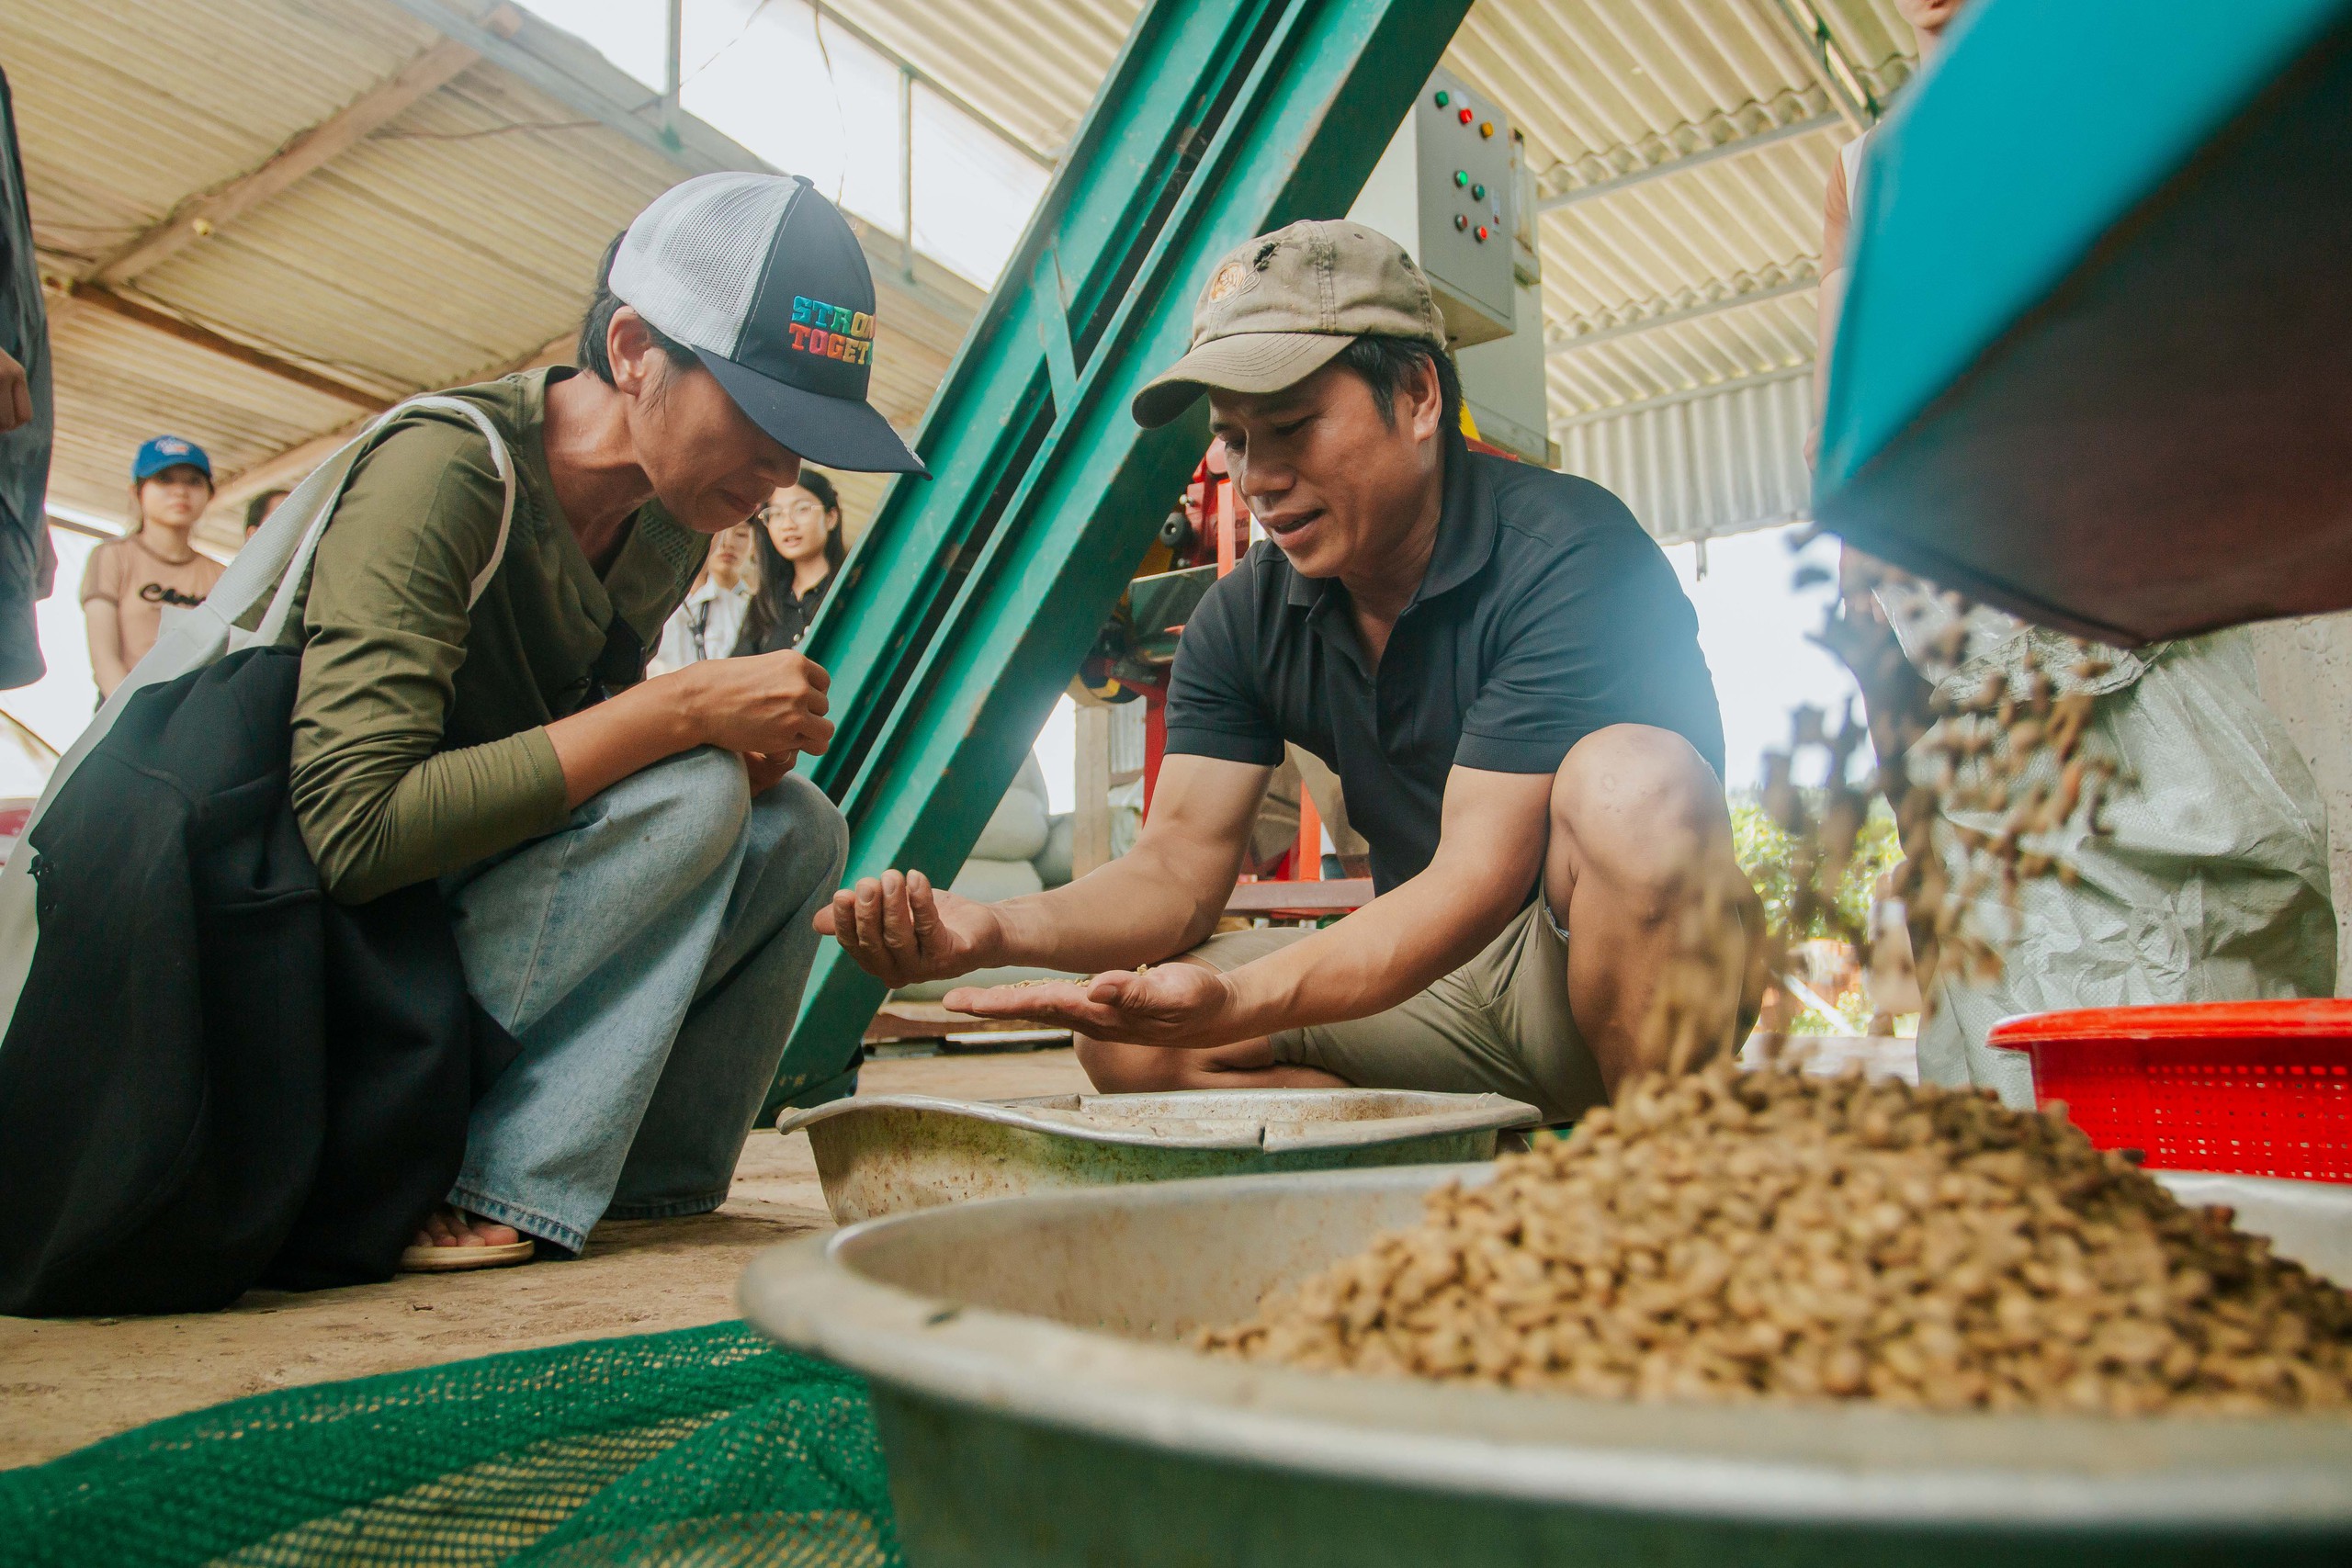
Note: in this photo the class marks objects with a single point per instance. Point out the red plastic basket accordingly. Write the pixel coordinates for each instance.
(2254, 1089)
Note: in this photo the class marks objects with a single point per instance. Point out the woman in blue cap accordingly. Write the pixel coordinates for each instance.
(133, 584)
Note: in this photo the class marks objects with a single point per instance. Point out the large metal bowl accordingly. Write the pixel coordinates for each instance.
(1036, 1410)
(894, 1152)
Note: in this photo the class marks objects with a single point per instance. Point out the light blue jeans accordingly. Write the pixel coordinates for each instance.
(649, 959)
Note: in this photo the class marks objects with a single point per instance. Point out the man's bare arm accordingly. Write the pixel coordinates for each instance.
(1160, 898)
(1490, 851)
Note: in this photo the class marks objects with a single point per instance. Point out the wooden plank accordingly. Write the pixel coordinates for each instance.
(130, 309)
(204, 214)
(1335, 897)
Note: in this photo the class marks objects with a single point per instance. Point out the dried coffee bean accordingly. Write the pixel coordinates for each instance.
(1735, 1235)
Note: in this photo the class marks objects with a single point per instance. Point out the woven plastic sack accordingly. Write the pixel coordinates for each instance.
(708, 1446)
(2210, 883)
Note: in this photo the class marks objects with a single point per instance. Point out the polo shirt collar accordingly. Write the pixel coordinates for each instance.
(1465, 536)
(1465, 526)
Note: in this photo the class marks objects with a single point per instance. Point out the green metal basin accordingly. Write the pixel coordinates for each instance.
(888, 1153)
(1037, 1408)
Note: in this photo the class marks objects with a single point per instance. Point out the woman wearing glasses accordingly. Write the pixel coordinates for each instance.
(799, 543)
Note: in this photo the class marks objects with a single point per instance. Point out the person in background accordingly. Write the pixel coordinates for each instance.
(797, 547)
(1929, 20)
(258, 509)
(711, 620)
(133, 585)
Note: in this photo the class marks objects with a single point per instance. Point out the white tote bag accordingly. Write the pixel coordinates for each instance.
(278, 553)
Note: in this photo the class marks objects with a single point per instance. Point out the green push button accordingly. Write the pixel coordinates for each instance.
(1443, 97)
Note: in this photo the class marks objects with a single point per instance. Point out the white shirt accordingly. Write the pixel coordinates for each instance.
(705, 626)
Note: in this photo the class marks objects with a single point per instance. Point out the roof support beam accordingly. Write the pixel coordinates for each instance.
(202, 215)
(1734, 148)
(1803, 282)
(99, 297)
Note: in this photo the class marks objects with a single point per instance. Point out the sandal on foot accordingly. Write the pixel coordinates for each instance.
(417, 1260)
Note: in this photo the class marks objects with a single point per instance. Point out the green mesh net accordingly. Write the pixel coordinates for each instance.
(709, 1446)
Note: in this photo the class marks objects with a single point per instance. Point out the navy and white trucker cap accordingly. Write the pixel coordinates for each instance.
(761, 277)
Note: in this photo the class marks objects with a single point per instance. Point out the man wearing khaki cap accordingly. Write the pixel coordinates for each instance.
(1506, 675)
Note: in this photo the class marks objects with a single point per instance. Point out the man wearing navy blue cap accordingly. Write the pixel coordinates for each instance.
(630, 865)
(134, 586)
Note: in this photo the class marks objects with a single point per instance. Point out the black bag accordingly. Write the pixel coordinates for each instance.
(216, 1077)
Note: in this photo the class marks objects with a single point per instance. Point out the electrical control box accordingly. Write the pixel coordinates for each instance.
(1446, 191)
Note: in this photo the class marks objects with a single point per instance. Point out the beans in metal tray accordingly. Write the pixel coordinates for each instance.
(1769, 1235)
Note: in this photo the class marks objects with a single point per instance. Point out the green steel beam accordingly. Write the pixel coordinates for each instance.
(971, 599)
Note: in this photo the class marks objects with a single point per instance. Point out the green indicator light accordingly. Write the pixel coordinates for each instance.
(1461, 176)
(1478, 193)
(1443, 97)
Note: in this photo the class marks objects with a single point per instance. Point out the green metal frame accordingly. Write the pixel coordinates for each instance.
(972, 598)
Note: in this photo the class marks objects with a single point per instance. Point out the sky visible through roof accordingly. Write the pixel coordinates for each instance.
(812, 99)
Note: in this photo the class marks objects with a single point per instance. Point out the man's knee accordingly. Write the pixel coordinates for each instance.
(1639, 807)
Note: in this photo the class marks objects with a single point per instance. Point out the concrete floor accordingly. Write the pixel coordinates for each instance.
(67, 1383)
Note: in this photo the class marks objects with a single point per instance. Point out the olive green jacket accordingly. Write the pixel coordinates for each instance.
(420, 739)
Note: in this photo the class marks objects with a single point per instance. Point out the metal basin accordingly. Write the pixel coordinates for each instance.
(1035, 1411)
(894, 1152)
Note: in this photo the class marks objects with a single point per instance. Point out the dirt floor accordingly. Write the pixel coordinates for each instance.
(65, 1384)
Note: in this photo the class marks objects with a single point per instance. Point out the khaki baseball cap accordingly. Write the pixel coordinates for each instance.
(1283, 306)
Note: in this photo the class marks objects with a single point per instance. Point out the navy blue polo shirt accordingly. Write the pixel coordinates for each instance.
(1546, 614)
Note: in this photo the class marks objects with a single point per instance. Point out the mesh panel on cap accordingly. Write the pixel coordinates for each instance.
(692, 260)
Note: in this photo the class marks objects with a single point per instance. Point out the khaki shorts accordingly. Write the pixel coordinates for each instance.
(1500, 1024)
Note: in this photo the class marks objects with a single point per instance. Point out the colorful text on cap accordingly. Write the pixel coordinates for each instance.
(831, 332)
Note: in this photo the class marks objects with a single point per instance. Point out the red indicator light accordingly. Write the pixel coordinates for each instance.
(1482, 234)
(1459, 221)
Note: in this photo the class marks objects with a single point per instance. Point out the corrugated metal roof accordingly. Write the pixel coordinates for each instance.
(1698, 465)
(459, 239)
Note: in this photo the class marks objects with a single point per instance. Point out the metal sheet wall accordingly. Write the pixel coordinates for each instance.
(1694, 466)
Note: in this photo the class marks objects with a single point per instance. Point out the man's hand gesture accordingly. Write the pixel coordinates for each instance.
(1175, 1004)
(901, 929)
